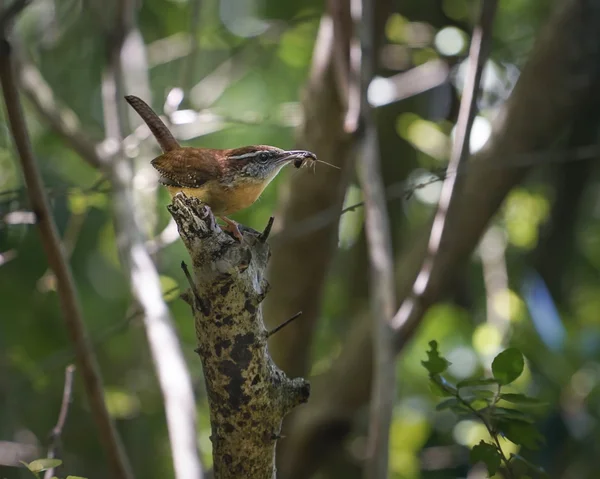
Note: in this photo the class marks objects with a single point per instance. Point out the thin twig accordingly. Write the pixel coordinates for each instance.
(55, 435)
(201, 306)
(480, 43)
(493, 434)
(86, 359)
(401, 189)
(284, 324)
(267, 231)
(381, 259)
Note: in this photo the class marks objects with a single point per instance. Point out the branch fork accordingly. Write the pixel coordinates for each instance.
(248, 394)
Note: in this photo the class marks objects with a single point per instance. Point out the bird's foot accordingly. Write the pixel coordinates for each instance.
(232, 227)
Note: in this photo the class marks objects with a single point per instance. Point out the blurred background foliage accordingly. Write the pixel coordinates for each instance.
(240, 66)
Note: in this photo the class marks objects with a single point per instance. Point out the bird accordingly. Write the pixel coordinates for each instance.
(227, 180)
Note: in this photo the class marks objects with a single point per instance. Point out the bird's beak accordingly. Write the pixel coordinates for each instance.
(297, 156)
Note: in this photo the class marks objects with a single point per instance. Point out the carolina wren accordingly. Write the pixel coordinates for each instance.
(226, 180)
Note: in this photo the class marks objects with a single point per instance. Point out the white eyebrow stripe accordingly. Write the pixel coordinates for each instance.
(248, 155)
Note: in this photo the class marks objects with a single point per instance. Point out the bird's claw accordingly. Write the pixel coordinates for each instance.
(233, 228)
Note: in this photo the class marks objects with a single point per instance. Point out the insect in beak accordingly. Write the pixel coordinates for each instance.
(302, 158)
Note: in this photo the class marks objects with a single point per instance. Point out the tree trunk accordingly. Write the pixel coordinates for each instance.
(248, 395)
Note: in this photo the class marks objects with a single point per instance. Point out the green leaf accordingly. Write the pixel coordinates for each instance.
(502, 413)
(435, 363)
(479, 404)
(439, 390)
(522, 400)
(482, 393)
(447, 403)
(463, 414)
(521, 434)
(40, 465)
(447, 388)
(76, 477)
(487, 454)
(468, 383)
(468, 398)
(508, 366)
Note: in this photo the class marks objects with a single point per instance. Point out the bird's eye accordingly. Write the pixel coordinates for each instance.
(264, 156)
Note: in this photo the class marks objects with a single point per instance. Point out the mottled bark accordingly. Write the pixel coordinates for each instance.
(248, 395)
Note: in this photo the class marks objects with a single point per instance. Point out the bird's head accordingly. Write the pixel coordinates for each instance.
(263, 162)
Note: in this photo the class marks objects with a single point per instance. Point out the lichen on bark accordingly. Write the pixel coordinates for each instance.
(248, 394)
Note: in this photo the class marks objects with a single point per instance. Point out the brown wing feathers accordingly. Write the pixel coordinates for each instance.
(186, 167)
(178, 166)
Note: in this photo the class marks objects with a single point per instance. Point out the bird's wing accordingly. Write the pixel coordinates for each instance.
(187, 167)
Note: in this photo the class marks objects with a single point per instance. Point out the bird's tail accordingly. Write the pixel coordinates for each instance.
(165, 138)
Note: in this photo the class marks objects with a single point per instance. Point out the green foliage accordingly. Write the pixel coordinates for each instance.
(435, 364)
(508, 366)
(521, 433)
(467, 383)
(41, 465)
(488, 454)
(479, 397)
(522, 400)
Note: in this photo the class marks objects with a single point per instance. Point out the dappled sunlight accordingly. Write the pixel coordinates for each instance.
(468, 433)
(121, 404)
(487, 339)
(524, 213)
(509, 306)
(450, 41)
(490, 314)
(424, 135)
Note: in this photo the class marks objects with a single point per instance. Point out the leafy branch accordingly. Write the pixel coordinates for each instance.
(480, 397)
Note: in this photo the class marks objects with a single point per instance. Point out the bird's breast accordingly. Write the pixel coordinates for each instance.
(223, 200)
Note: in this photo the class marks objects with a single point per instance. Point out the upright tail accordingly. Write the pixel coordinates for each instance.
(165, 138)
